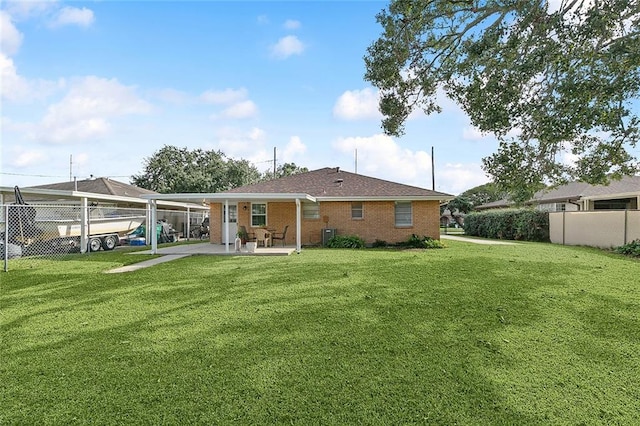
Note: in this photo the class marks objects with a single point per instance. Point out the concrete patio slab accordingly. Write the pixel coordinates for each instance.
(184, 250)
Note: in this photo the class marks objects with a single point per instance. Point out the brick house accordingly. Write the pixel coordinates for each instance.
(329, 198)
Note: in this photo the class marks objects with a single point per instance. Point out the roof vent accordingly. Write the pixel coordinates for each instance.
(339, 182)
(337, 169)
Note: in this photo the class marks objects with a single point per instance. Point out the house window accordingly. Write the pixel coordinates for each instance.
(311, 210)
(560, 207)
(258, 214)
(403, 213)
(356, 210)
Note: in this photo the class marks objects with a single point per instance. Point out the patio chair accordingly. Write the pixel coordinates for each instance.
(263, 237)
(244, 235)
(280, 235)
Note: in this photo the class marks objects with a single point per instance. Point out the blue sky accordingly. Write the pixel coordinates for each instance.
(109, 83)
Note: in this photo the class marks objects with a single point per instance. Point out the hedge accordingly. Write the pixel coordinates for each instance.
(509, 224)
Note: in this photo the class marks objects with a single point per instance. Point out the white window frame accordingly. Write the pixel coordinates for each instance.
(253, 225)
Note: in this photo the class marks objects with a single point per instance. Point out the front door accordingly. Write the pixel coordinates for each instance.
(233, 224)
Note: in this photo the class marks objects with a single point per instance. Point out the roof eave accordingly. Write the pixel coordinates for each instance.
(388, 198)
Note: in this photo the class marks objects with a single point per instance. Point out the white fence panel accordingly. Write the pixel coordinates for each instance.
(604, 228)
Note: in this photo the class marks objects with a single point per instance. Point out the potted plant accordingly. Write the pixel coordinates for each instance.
(243, 236)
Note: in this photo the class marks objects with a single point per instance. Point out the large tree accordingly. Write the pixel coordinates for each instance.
(551, 83)
(483, 194)
(286, 169)
(173, 169)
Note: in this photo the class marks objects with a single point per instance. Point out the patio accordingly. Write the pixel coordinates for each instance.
(220, 249)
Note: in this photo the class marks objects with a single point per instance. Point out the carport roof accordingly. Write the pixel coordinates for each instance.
(202, 198)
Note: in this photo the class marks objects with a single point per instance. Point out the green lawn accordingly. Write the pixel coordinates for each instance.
(472, 334)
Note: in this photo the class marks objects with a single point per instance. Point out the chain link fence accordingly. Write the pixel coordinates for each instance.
(55, 231)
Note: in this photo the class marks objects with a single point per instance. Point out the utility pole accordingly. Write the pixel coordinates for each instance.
(274, 162)
(70, 166)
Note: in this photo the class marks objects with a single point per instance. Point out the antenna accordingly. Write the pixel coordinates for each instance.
(274, 162)
(70, 166)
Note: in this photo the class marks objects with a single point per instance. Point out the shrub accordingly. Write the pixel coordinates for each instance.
(345, 241)
(509, 224)
(379, 244)
(415, 241)
(630, 249)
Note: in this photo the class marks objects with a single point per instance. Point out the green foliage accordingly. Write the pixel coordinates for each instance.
(286, 169)
(483, 194)
(416, 241)
(630, 249)
(345, 241)
(562, 80)
(173, 169)
(509, 224)
(379, 244)
(534, 334)
(327, 337)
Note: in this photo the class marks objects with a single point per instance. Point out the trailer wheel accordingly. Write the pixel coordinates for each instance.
(110, 242)
(95, 244)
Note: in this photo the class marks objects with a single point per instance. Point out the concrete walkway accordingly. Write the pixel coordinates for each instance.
(476, 241)
(184, 250)
(146, 263)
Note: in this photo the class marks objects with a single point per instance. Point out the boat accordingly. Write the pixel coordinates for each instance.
(61, 225)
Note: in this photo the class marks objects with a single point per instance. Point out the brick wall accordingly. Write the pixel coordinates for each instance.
(378, 222)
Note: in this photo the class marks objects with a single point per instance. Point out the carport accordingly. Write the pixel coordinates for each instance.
(225, 199)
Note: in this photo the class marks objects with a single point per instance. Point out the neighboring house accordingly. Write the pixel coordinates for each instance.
(326, 199)
(447, 219)
(108, 193)
(623, 194)
(101, 185)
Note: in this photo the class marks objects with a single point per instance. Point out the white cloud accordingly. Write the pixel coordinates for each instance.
(17, 88)
(357, 105)
(225, 96)
(294, 148)
(292, 24)
(458, 177)
(10, 37)
(472, 133)
(287, 46)
(379, 155)
(85, 111)
(73, 16)
(25, 158)
(241, 143)
(240, 110)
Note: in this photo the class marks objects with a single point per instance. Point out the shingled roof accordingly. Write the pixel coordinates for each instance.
(577, 190)
(99, 185)
(335, 183)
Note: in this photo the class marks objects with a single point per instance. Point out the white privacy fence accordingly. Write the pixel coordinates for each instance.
(603, 228)
(57, 231)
